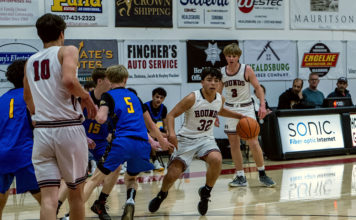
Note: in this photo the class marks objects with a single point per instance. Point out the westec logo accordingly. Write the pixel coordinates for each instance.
(245, 6)
(320, 59)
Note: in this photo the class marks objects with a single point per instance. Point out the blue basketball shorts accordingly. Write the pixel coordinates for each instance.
(99, 150)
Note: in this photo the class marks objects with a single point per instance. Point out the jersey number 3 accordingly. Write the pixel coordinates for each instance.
(44, 69)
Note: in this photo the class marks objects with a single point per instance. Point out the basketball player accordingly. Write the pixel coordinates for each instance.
(16, 139)
(99, 133)
(60, 145)
(236, 80)
(195, 138)
(129, 139)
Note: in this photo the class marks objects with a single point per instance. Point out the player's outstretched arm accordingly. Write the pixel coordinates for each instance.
(68, 56)
(27, 95)
(259, 91)
(182, 106)
(102, 114)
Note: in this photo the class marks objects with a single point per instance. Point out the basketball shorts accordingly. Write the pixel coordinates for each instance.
(60, 152)
(230, 124)
(136, 152)
(188, 148)
(25, 180)
(99, 149)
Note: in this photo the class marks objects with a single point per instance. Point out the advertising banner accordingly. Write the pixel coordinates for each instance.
(23, 12)
(92, 54)
(205, 53)
(130, 13)
(153, 62)
(215, 14)
(11, 50)
(260, 14)
(272, 60)
(307, 133)
(323, 14)
(353, 128)
(351, 54)
(323, 57)
(80, 13)
(312, 183)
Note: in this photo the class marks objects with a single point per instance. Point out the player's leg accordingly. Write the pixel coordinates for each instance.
(258, 157)
(240, 179)
(49, 197)
(76, 202)
(3, 200)
(5, 183)
(63, 194)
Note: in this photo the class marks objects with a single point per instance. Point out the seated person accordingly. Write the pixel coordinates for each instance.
(292, 98)
(340, 90)
(158, 113)
(312, 95)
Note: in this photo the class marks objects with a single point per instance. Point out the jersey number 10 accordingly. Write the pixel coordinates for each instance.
(45, 74)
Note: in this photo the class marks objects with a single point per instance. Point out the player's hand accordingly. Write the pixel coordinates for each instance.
(91, 143)
(166, 145)
(155, 145)
(217, 122)
(172, 138)
(262, 112)
(88, 103)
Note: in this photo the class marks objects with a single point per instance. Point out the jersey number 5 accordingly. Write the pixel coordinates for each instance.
(45, 74)
(130, 108)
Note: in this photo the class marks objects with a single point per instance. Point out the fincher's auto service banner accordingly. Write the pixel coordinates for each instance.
(260, 14)
(323, 14)
(80, 13)
(133, 13)
(11, 50)
(18, 12)
(92, 54)
(153, 61)
(323, 57)
(351, 55)
(206, 53)
(272, 60)
(215, 14)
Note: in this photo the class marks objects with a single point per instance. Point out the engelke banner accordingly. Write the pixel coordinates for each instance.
(18, 12)
(260, 14)
(206, 53)
(215, 14)
(272, 60)
(323, 14)
(308, 133)
(351, 54)
(153, 61)
(80, 13)
(92, 54)
(323, 57)
(11, 50)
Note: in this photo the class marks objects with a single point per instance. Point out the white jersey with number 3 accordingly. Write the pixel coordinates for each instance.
(199, 119)
(52, 100)
(237, 89)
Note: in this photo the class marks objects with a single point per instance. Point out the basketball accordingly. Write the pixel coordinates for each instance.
(248, 128)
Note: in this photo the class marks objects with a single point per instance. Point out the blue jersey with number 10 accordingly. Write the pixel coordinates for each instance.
(16, 137)
(128, 110)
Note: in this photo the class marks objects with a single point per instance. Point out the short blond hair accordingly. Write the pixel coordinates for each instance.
(232, 49)
(117, 73)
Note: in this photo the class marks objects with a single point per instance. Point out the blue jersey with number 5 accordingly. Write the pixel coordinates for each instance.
(126, 110)
(16, 137)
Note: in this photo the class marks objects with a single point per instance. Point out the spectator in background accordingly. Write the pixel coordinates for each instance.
(89, 86)
(340, 90)
(312, 95)
(292, 97)
(158, 113)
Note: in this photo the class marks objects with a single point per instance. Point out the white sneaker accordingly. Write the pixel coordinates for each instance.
(157, 166)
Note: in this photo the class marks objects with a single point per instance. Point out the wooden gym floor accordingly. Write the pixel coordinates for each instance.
(317, 188)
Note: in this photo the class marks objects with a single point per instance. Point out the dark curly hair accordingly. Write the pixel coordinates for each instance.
(15, 73)
(49, 27)
(213, 72)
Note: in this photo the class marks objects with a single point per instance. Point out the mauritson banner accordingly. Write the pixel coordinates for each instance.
(92, 54)
(131, 13)
(205, 53)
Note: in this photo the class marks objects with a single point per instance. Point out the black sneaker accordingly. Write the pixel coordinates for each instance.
(203, 203)
(100, 209)
(155, 203)
(129, 210)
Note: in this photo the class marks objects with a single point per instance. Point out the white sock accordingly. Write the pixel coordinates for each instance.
(261, 168)
(240, 173)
